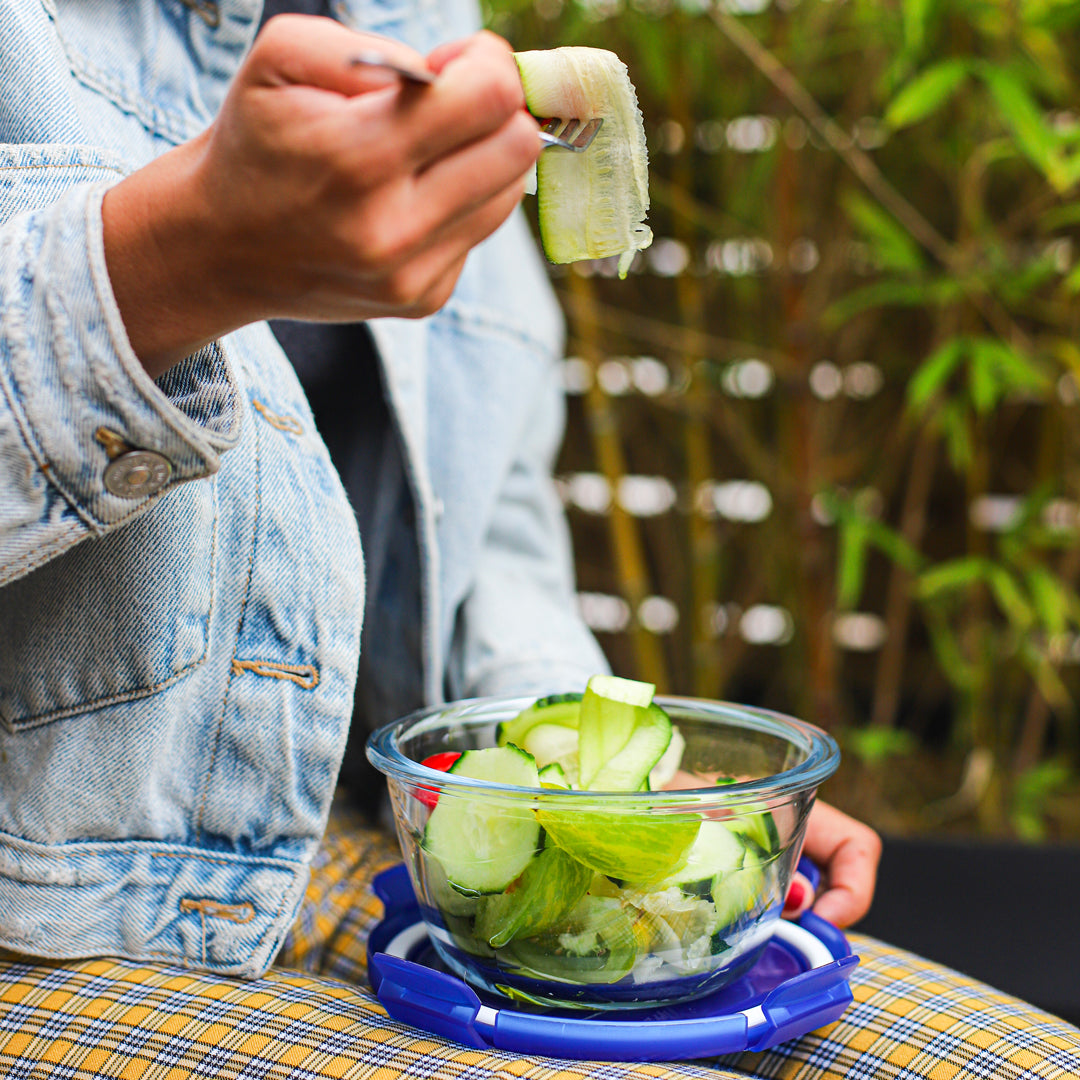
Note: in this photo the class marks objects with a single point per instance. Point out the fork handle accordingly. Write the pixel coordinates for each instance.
(374, 58)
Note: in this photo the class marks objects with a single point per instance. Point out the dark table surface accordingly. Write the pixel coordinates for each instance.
(1008, 914)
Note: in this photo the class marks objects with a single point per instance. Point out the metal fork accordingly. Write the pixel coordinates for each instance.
(567, 134)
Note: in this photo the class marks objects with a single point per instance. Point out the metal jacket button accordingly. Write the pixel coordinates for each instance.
(137, 474)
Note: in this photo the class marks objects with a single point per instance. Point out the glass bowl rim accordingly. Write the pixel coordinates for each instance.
(821, 761)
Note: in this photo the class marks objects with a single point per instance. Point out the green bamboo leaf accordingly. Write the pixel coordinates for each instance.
(954, 665)
(1055, 17)
(1060, 217)
(956, 575)
(1024, 118)
(983, 384)
(894, 293)
(1016, 284)
(1068, 169)
(1015, 371)
(892, 244)
(875, 745)
(894, 545)
(1052, 598)
(959, 439)
(1010, 598)
(917, 15)
(926, 93)
(1047, 679)
(934, 372)
(852, 555)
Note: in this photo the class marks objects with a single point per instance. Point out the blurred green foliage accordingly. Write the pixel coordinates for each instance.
(876, 204)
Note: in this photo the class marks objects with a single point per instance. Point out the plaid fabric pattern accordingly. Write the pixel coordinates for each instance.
(911, 1019)
(339, 909)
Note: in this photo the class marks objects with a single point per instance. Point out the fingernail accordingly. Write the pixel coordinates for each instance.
(796, 895)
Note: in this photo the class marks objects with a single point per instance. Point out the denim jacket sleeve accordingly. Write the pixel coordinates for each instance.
(519, 629)
(87, 438)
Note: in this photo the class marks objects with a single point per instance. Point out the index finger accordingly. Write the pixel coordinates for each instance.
(307, 50)
(477, 93)
(848, 853)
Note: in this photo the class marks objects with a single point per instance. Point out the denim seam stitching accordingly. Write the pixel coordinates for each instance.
(65, 165)
(152, 118)
(278, 420)
(28, 563)
(240, 913)
(185, 962)
(239, 630)
(134, 694)
(273, 669)
(207, 10)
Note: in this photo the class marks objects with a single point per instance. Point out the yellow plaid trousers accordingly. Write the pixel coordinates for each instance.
(313, 1016)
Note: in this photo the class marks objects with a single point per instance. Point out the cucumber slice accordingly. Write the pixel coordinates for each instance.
(551, 743)
(668, 765)
(738, 893)
(562, 709)
(715, 852)
(547, 891)
(553, 775)
(628, 770)
(610, 711)
(483, 845)
(757, 828)
(593, 204)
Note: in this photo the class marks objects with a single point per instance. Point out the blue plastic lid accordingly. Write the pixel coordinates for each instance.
(799, 983)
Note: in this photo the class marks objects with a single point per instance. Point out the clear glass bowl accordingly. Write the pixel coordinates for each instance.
(625, 899)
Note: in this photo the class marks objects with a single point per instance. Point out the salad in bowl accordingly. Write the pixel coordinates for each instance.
(601, 849)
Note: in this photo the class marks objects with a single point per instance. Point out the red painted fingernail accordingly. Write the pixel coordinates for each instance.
(796, 895)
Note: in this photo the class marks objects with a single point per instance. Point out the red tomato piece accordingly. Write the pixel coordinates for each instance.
(441, 761)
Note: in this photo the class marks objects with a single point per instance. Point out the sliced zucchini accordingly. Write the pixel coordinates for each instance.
(738, 893)
(611, 710)
(715, 852)
(756, 827)
(554, 776)
(482, 844)
(629, 768)
(592, 204)
(561, 709)
(668, 765)
(551, 743)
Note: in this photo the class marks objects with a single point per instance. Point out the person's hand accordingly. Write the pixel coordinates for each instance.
(323, 190)
(847, 852)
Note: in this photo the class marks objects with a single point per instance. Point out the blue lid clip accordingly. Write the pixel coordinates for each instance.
(430, 1000)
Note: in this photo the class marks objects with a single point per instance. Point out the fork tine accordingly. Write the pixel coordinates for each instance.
(561, 128)
(569, 133)
(586, 135)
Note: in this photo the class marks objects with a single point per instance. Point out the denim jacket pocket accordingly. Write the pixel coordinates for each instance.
(114, 618)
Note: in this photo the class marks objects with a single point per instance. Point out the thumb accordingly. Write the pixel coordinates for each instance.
(306, 50)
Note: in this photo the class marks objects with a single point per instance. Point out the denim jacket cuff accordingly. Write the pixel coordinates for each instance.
(107, 435)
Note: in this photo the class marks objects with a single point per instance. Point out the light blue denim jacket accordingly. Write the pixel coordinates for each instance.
(181, 584)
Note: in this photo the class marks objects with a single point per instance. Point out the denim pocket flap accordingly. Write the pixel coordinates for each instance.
(113, 619)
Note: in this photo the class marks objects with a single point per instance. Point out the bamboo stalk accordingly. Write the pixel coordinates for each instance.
(890, 667)
(626, 542)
